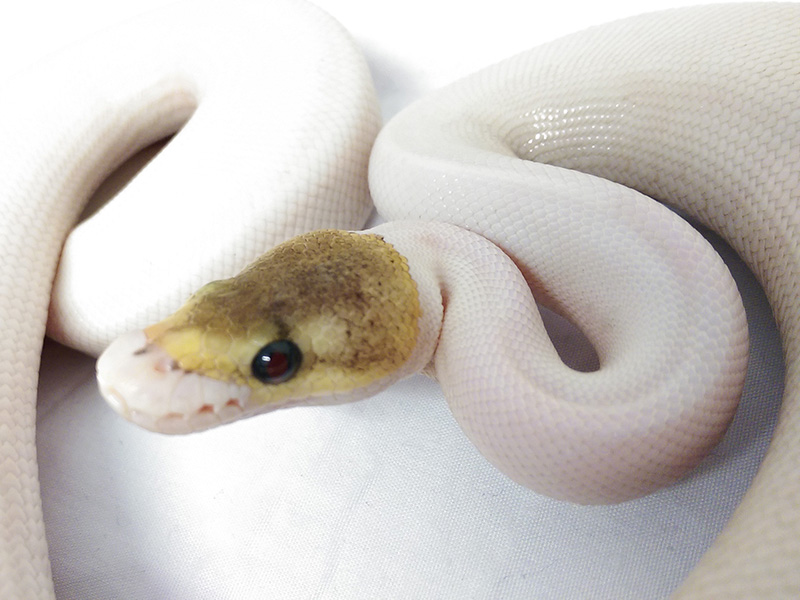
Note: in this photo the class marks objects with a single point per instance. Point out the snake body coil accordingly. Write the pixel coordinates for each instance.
(255, 161)
(695, 107)
(530, 175)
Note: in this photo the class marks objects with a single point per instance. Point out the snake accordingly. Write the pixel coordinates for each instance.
(542, 179)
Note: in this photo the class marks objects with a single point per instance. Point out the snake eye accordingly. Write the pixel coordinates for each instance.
(276, 362)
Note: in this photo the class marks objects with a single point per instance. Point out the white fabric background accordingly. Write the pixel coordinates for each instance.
(379, 499)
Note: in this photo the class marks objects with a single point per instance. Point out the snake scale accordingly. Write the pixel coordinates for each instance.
(531, 175)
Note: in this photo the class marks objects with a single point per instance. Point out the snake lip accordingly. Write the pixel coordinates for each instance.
(140, 381)
(113, 397)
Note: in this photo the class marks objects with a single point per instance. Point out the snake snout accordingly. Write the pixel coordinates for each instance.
(147, 386)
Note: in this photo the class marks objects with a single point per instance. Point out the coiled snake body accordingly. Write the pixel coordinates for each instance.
(512, 171)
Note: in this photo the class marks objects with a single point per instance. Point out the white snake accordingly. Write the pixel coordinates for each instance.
(696, 107)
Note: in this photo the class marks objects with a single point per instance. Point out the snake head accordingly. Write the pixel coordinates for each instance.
(324, 317)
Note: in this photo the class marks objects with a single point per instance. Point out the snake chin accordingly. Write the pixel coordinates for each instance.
(145, 385)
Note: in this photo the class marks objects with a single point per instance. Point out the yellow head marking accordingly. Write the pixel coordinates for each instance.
(346, 300)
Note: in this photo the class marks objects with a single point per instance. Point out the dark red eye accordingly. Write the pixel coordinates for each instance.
(277, 361)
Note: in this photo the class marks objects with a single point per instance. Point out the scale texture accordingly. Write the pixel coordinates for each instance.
(695, 107)
(531, 168)
(268, 148)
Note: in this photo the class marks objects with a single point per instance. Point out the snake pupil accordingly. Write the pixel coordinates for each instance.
(276, 362)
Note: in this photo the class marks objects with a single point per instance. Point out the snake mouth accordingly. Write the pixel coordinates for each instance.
(141, 382)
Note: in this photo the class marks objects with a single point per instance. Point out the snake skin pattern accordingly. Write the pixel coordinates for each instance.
(695, 107)
(197, 62)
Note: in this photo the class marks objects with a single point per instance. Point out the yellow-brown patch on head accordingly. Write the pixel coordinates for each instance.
(345, 299)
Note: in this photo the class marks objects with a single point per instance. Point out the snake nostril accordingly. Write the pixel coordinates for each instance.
(165, 365)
